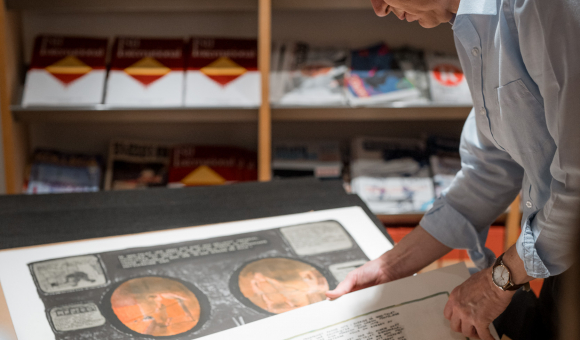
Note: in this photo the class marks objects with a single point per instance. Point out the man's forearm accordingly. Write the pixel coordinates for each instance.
(415, 251)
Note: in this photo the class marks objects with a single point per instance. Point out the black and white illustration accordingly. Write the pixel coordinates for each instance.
(191, 289)
(185, 283)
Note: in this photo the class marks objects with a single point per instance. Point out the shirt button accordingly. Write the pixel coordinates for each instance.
(529, 205)
(482, 111)
(475, 51)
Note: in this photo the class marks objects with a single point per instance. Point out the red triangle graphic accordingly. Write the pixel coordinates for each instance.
(67, 78)
(146, 79)
(223, 80)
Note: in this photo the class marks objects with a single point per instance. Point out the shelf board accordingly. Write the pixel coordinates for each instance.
(106, 113)
(414, 219)
(179, 5)
(391, 112)
(131, 5)
(321, 4)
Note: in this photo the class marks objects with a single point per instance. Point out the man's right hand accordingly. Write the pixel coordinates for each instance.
(370, 274)
(417, 250)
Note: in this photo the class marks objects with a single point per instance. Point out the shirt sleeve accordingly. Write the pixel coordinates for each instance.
(486, 185)
(548, 39)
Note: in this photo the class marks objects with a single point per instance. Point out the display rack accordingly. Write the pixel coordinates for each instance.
(349, 23)
(25, 128)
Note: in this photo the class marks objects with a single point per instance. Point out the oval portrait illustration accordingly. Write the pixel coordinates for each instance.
(277, 285)
(156, 306)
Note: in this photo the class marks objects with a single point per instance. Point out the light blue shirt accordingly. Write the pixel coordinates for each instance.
(521, 59)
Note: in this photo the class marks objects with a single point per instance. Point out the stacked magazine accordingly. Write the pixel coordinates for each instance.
(391, 174)
(306, 75)
(320, 159)
(136, 165)
(57, 172)
(445, 161)
(374, 78)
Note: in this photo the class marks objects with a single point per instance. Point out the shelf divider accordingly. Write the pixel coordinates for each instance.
(265, 114)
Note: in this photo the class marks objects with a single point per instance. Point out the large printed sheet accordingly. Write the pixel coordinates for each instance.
(184, 283)
(407, 309)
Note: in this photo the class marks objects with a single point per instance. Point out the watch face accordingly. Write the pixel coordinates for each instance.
(501, 275)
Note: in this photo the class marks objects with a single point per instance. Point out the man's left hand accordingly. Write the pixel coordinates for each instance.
(473, 305)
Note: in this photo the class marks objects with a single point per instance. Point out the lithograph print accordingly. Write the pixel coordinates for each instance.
(191, 289)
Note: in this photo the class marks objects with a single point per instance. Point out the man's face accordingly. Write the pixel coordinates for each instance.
(429, 13)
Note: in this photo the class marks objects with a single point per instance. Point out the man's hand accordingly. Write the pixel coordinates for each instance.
(473, 305)
(370, 274)
(414, 252)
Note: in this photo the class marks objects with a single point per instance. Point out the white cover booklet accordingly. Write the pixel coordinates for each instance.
(222, 72)
(446, 80)
(186, 283)
(66, 71)
(146, 72)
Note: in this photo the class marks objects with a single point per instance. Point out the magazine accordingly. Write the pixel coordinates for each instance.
(58, 172)
(136, 165)
(315, 77)
(444, 160)
(66, 71)
(222, 72)
(146, 72)
(298, 159)
(391, 175)
(446, 80)
(373, 78)
(193, 165)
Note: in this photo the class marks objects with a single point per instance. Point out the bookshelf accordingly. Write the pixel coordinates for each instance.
(349, 23)
(86, 128)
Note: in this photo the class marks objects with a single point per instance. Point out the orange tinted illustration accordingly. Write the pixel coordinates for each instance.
(156, 306)
(278, 285)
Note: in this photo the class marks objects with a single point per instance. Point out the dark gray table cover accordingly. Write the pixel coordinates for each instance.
(42, 219)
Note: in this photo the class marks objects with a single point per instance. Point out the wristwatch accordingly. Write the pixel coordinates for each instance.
(502, 276)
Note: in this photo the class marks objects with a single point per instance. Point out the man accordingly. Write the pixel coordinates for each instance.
(522, 61)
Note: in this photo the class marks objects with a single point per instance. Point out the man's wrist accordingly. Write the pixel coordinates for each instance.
(391, 264)
(516, 266)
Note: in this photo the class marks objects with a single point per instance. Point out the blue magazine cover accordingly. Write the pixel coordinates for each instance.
(374, 77)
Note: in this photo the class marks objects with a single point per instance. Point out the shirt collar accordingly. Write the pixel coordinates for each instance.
(482, 7)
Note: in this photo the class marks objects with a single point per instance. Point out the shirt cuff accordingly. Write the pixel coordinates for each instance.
(452, 229)
(526, 247)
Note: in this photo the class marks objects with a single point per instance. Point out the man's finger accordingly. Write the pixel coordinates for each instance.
(448, 311)
(455, 324)
(483, 332)
(468, 330)
(344, 287)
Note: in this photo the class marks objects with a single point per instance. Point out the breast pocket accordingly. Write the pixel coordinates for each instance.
(522, 121)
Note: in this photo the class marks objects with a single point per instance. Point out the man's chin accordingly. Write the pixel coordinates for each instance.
(428, 23)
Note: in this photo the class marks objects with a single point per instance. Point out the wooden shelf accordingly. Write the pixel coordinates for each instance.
(395, 111)
(321, 4)
(179, 5)
(415, 218)
(104, 113)
(131, 5)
